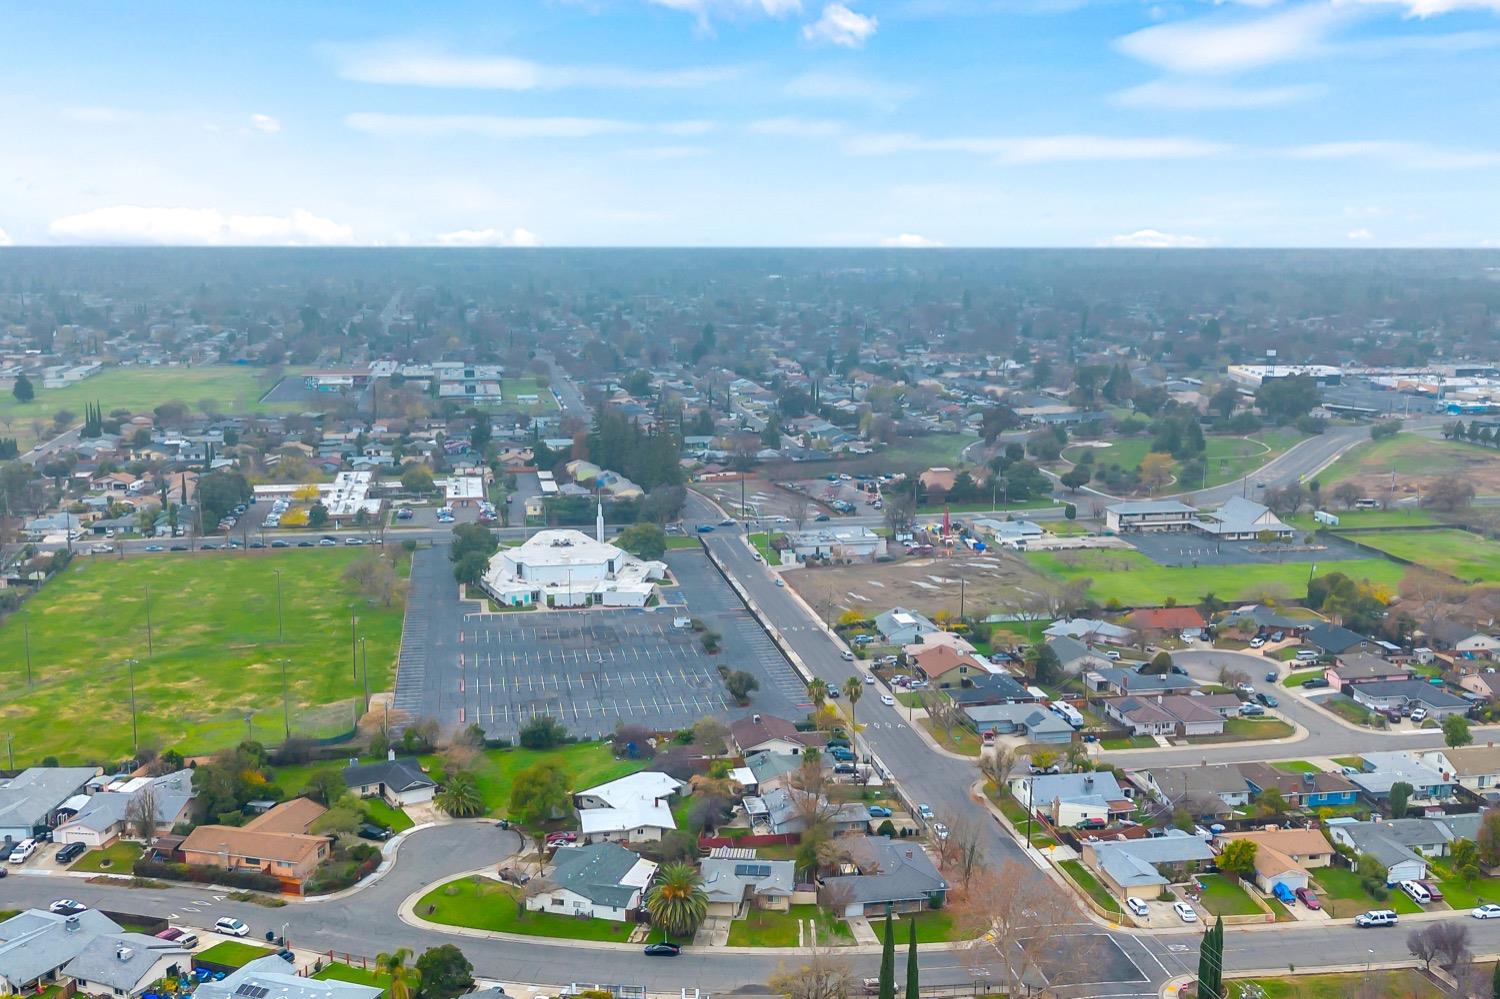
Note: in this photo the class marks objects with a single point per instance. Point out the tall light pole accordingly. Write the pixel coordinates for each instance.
(286, 702)
(26, 637)
(353, 646)
(135, 738)
(149, 650)
(365, 668)
(279, 637)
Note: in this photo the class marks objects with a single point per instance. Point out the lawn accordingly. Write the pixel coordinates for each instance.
(231, 954)
(962, 741)
(1343, 896)
(1028, 632)
(586, 764)
(1223, 897)
(917, 453)
(678, 542)
(1300, 678)
(1402, 984)
(512, 387)
(1402, 517)
(482, 904)
(763, 928)
(1130, 742)
(1347, 709)
(232, 389)
(359, 976)
(1295, 767)
(214, 658)
(1130, 579)
(1408, 456)
(762, 542)
(1226, 457)
(1090, 885)
(1464, 896)
(1460, 554)
(1350, 761)
(1246, 730)
(116, 859)
(380, 813)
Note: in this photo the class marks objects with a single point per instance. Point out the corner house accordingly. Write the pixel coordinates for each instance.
(570, 569)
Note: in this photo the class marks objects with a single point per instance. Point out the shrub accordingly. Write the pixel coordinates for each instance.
(253, 880)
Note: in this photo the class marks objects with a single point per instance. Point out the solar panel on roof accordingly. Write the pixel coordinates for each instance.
(752, 870)
(252, 991)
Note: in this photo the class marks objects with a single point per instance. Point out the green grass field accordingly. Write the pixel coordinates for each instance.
(1134, 580)
(482, 904)
(924, 452)
(233, 389)
(1459, 554)
(1408, 455)
(510, 388)
(764, 928)
(1403, 984)
(359, 976)
(1226, 458)
(586, 763)
(1405, 516)
(214, 655)
(232, 953)
(1223, 897)
(1090, 884)
(1344, 896)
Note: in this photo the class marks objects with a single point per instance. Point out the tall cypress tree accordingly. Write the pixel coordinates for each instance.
(888, 961)
(1495, 984)
(912, 990)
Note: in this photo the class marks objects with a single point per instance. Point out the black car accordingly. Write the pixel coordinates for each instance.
(304, 544)
(257, 544)
(278, 543)
(662, 950)
(70, 853)
(369, 830)
(179, 548)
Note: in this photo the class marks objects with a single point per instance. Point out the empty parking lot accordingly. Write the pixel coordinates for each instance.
(1189, 549)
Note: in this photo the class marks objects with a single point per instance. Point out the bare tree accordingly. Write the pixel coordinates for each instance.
(1033, 932)
(997, 765)
(140, 815)
(798, 508)
(942, 710)
(821, 976)
(968, 848)
(900, 510)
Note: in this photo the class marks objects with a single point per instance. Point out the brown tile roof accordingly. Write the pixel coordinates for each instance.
(288, 817)
(288, 848)
(941, 659)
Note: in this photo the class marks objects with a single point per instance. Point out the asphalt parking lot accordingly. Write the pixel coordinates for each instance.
(596, 669)
(1184, 549)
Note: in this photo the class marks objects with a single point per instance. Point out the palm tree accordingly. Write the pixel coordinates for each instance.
(818, 691)
(460, 796)
(854, 689)
(404, 981)
(677, 901)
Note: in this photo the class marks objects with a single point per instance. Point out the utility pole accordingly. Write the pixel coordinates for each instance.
(961, 582)
(135, 738)
(10, 753)
(365, 660)
(286, 702)
(26, 635)
(353, 646)
(279, 637)
(149, 651)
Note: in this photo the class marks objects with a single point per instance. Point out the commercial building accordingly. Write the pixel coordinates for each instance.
(567, 568)
(1148, 515)
(836, 543)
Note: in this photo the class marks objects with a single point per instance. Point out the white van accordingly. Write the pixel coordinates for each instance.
(23, 851)
(1307, 655)
(1416, 892)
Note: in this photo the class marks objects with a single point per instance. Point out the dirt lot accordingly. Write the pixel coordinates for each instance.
(1416, 461)
(923, 584)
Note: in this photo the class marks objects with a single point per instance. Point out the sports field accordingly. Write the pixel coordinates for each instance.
(214, 657)
(1226, 458)
(1458, 553)
(511, 388)
(1133, 580)
(233, 389)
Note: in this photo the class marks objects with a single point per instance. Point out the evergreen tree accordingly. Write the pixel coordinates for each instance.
(23, 390)
(1495, 984)
(912, 985)
(888, 961)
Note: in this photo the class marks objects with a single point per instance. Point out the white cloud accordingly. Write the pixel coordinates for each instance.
(98, 115)
(1220, 44)
(842, 27)
(1190, 95)
(666, 152)
(487, 237)
(420, 66)
(1361, 235)
(1433, 8)
(489, 126)
(198, 227)
(1040, 149)
(823, 86)
(265, 123)
(5, 239)
(1155, 239)
(796, 128)
(1409, 155)
(909, 241)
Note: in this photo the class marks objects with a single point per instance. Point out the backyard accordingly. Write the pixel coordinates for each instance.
(1460, 554)
(585, 763)
(212, 660)
(232, 954)
(1224, 897)
(359, 976)
(1130, 579)
(483, 904)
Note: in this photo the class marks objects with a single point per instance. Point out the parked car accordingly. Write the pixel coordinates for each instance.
(23, 851)
(563, 836)
(1432, 889)
(327, 543)
(1257, 642)
(230, 926)
(924, 811)
(940, 830)
(832, 693)
(1376, 917)
(1251, 710)
(846, 655)
(663, 950)
(1488, 910)
(1245, 687)
(1269, 700)
(1283, 893)
(845, 768)
(1112, 656)
(1185, 912)
(841, 753)
(1307, 897)
(1316, 681)
(1419, 715)
(70, 853)
(67, 907)
(280, 543)
(1416, 892)
(879, 812)
(369, 830)
(869, 678)
(1270, 676)
(1138, 907)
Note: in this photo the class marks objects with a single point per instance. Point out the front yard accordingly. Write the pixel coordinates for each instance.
(1246, 730)
(117, 858)
(1223, 897)
(1343, 896)
(1090, 885)
(1128, 742)
(482, 904)
(231, 954)
(962, 740)
(763, 928)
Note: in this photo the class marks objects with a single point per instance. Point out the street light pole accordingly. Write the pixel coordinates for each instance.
(286, 702)
(135, 739)
(353, 641)
(279, 637)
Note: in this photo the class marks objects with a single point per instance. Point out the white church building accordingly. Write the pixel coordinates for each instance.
(567, 568)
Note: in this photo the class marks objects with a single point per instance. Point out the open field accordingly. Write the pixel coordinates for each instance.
(1406, 516)
(1135, 581)
(1457, 553)
(232, 388)
(1416, 461)
(1226, 457)
(585, 763)
(928, 585)
(1405, 984)
(510, 388)
(213, 660)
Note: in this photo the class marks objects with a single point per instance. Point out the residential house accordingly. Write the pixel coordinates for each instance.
(1130, 680)
(736, 880)
(788, 810)
(944, 666)
(1485, 684)
(761, 733)
(1401, 846)
(1333, 640)
(1351, 668)
(1463, 639)
(105, 816)
(32, 800)
(400, 782)
(290, 857)
(599, 881)
(1300, 790)
(893, 876)
(899, 626)
(1211, 791)
(1475, 768)
(769, 770)
(295, 816)
(1164, 620)
(1038, 724)
(634, 807)
(1384, 695)
(35, 945)
(125, 965)
(1384, 770)
(1089, 799)
(1307, 847)
(1088, 629)
(1269, 619)
(1141, 868)
(272, 977)
(1180, 715)
(1075, 656)
(991, 688)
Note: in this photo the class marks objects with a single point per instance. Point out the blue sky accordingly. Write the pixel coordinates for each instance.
(754, 122)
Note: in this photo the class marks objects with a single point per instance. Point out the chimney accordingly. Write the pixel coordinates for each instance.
(755, 719)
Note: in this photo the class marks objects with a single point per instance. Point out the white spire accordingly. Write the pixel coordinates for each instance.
(599, 524)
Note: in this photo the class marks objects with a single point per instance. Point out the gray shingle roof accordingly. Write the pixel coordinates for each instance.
(120, 960)
(35, 943)
(281, 982)
(595, 872)
(397, 775)
(904, 873)
(28, 798)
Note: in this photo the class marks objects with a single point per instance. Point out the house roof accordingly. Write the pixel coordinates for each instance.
(991, 686)
(902, 872)
(1357, 666)
(1263, 776)
(1136, 682)
(1240, 516)
(292, 816)
(1081, 627)
(1215, 778)
(1138, 507)
(1071, 650)
(727, 879)
(27, 798)
(939, 660)
(635, 801)
(120, 960)
(1293, 842)
(1167, 618)
(1036, 719)
(1413, 690)
(1135, 860)
(279, 981)
(1470, 761)
(107, 808)
(404, 774)
(288, 848)
(757, 729)
(35, 942)
(1081, 787)
(1386, 842)
(1453, 632)
(1391, 768)
(1332, 638)
(901, 619)
(601, 873)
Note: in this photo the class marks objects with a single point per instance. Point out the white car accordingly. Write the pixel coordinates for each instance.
(939, 830)
(1138, 907)
(67, 906)
(23, 851)
(887, 700)
(847, 656)
(869, 678)
(1487, 911)
(230, 926)
(1257, 642)
(924, 811)
(1185, 912)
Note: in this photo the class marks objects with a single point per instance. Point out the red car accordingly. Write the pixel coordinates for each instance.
(1307, 898)
(565, 836)
(1432, 889)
